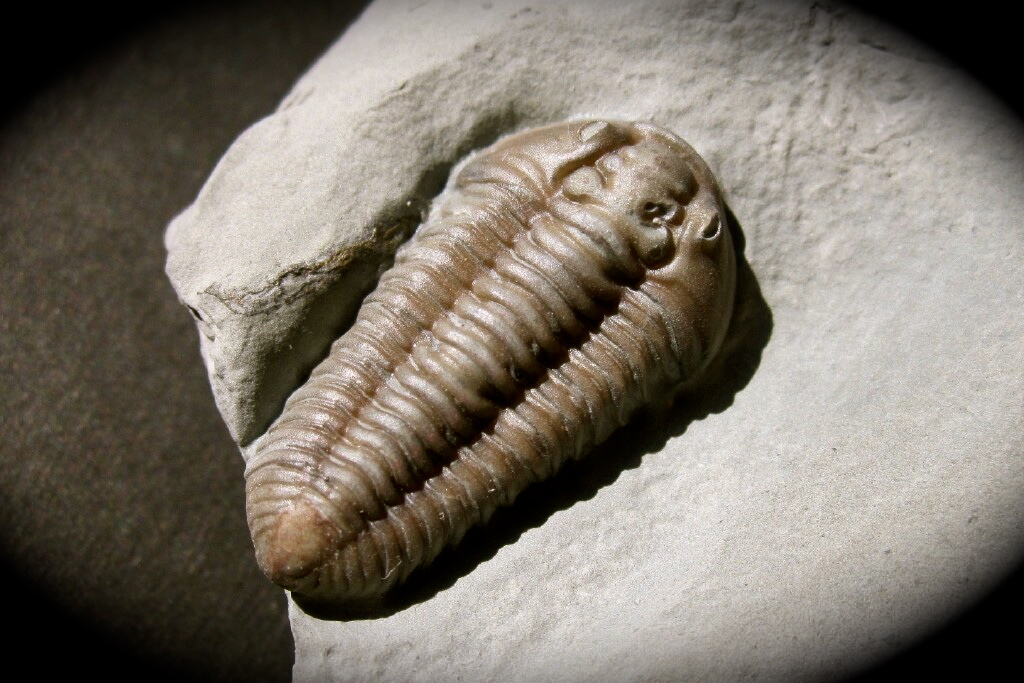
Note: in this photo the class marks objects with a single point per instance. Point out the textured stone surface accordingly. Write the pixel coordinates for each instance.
(861, 488)
(123, 544)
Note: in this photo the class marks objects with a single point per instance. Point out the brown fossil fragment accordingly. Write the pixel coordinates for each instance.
(573, 274)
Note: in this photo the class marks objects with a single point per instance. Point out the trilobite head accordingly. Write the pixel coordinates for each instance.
(672, 192)
(636, 181)
(647, 186)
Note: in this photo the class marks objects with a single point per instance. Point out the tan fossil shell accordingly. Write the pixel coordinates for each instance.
(572, 274)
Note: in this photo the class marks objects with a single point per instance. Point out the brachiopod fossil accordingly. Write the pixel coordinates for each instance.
(572, 274)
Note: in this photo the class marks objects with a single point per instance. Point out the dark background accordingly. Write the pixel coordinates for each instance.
(123, 546)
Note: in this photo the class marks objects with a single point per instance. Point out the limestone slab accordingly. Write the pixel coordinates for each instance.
(857, 485)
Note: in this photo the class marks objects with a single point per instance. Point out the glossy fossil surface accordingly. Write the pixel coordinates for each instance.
(570, 276)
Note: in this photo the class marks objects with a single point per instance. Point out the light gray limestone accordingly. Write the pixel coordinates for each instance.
(860, 490)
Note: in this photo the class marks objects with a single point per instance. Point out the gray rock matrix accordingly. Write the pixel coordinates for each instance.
(861, 488)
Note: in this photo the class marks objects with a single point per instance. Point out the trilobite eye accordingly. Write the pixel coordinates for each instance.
(712, 229)
(655, 213)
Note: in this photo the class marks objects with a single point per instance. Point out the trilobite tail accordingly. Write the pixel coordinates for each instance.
(299, 540)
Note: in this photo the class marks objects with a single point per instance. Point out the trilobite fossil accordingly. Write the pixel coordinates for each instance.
(569, 276)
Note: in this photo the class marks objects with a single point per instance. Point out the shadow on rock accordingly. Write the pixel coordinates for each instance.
(735, 365)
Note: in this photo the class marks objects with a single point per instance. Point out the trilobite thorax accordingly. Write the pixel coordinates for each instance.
(570, 275)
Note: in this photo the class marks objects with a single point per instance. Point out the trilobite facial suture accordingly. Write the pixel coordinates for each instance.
(569, 276)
